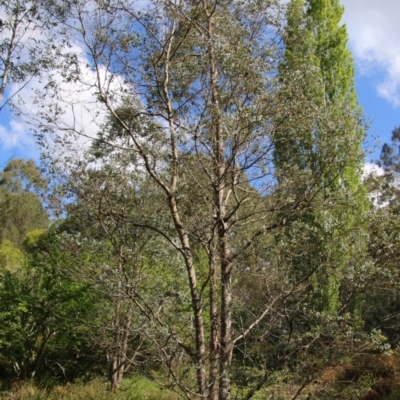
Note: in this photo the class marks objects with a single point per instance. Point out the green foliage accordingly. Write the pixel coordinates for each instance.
(215, 231)
(380, 301)
(331, 53)
(20, 214)
(315, 51)
(11, 257)
(21, 210)
(22, 176)
(41, 310)
(33, 239)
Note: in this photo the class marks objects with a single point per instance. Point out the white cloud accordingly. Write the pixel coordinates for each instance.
(18, 138)
(372, 169)
(76, 114)
(81, 113)
(374, 34)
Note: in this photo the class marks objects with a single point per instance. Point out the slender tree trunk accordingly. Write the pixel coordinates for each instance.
(9, 51)
(120, 359)
(114, 351)
(221, 199)
(225, 347)
(123, 350)
(196, 300)
(118, 362)
(226, 319)
(214, 326)
(197, 305)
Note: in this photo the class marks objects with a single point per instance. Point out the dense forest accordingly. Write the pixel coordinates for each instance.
(199, 226)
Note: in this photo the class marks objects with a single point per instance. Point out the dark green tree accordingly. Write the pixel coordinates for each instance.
(42, 310)
(21, 185)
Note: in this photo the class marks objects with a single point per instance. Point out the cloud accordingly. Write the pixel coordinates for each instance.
(67, 110)
(77, 105)
(74, 101)
(374, 34)
(372, 169)
(17, 138)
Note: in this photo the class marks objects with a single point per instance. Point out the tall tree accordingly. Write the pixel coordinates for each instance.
(193, 88)
(332, 56)
(315, 39)
(337, 68)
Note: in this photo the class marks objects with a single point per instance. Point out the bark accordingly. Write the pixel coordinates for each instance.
(215, 327)
(119, 353)
(10, 49)
(183, 236)
(221, 198)
(120, 361)
(226, 319)
(196, 299)
(114, 351)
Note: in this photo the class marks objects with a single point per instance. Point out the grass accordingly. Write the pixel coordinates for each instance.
(140, 388)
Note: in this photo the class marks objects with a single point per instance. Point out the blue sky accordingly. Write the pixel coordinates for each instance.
(374, 38)
(374, 33)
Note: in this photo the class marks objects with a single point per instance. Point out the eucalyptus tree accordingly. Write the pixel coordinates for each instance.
(24, 29)
(21, 185)
(383, 244)
(119, 259)
(194, 90)
(387, 186)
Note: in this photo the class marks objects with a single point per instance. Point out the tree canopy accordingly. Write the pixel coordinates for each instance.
(216, 234)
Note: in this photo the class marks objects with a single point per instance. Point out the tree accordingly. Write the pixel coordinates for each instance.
(315, 40)
(23, 30)
(387, 187)
(41, 312)
(22, 176)
(11, 258)
(380, 303)
(114, 256)
(383, 245)
(193, 90)
(21, 209)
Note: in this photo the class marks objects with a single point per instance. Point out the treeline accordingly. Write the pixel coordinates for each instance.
(209, 228)
(96, 295)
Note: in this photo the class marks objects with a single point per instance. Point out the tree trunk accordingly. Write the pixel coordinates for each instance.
(195, 297)
(119, 359)
(214, 326)
(226, 319)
